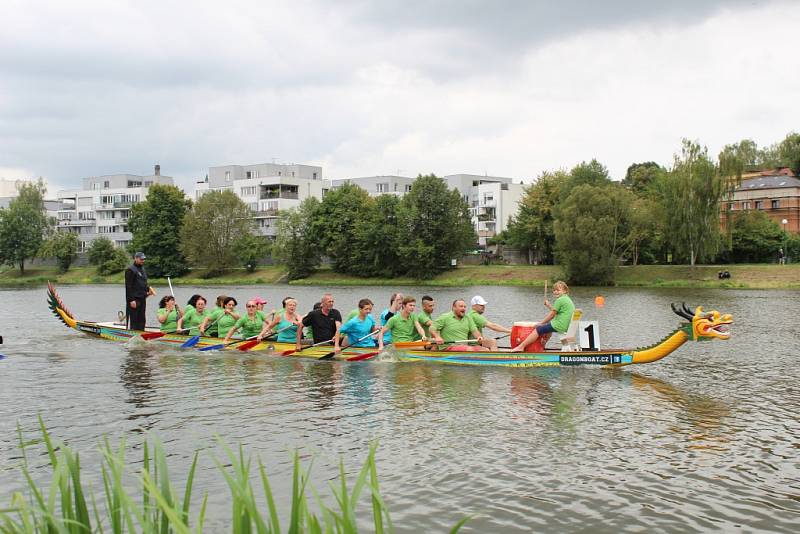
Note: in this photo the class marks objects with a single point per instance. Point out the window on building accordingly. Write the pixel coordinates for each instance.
(382, 188)
(96, 186)
(504, 187)
(227, 176)
(759, 204)
(324, 192)
(292, 173)
(314, 176)
(745, 205)
(248, 175)
(105, 184)
(408, 188)
(395, 186)
(776, 204)
(731, 206)
(248, 191)
(132, 183)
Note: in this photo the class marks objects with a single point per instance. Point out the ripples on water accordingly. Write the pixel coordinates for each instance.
(706, 439)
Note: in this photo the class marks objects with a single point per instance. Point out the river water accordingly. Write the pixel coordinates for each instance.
(706, 439)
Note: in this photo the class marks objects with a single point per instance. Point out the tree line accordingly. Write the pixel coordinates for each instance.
(590, 224)
(580, 219)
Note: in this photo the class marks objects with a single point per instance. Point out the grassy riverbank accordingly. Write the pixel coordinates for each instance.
(750, 276)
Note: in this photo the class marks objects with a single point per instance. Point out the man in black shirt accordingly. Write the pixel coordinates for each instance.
(325, 323)
(136, 292)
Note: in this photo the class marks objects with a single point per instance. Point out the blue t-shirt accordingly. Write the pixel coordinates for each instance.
(355, 329)
(387, 337)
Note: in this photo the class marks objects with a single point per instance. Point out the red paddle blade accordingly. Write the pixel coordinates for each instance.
(247, 345)
(288, 352)
(359, 357)
(147, 336)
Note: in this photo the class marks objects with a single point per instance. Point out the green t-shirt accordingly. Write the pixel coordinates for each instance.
(224, 322)
(192, 320)
(171, 324)
(353, 313)
(479, 320)
(564, 308)
(403, 329)
(211, 330)
(250, 327)
(451, 328)
(424, 319)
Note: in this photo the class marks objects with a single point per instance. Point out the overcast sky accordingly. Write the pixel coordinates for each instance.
(507, 88)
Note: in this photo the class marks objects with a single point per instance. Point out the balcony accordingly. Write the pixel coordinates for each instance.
(266, 213)
(485, 233)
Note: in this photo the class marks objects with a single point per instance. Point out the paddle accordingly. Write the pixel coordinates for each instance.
(250, 344)
(288, 352)
(223, 345)
(192, 341)
(359, 340)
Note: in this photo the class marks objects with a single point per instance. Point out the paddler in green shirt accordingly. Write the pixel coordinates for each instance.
(194, 317)
(455, 325)
(425, 317)
(478, 304)
(221, 319)
(403, 326)
(250, 324)
(557, 320)
(168, 314)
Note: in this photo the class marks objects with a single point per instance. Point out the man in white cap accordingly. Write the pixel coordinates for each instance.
(478, 304)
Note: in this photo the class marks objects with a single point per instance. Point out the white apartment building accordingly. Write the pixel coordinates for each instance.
(266, 188)
(378, 185)
(492, 200)
(102, 206)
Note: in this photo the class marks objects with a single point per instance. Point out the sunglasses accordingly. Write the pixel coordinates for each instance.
(251, 305)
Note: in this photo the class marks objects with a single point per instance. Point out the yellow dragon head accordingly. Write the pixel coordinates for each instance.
(704, 326)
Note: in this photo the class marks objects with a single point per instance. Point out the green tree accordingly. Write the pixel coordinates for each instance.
(591, 231)
(644, 230)
(592, 173)
(693, 189)
(335, 223)
(211, 228)
(789, 152)
(756, 237)
(24, 225)
(296, 244)
(249, 249)
(531, 229)
(106, 257)
(435, 226)
(156, 226)
(377, 239)
(63, 246)
(734, 160)
(641, 177)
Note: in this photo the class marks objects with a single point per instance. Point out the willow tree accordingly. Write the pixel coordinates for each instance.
(693, 190)
(734, 160)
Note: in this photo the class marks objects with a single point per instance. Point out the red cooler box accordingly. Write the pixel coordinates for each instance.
(520, 331)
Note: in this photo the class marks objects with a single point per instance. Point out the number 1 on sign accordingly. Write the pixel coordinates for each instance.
(589, 335)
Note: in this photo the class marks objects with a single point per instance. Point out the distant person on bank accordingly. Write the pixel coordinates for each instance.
(136, 292)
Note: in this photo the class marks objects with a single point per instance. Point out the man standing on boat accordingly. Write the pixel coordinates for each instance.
(478, 304)
(136, 292)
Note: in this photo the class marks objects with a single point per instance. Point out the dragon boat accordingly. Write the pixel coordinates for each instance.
(697, 325)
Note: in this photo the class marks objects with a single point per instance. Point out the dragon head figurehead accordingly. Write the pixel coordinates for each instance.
(702, 325)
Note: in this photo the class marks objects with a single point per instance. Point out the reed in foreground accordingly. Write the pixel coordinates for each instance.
(69, 506)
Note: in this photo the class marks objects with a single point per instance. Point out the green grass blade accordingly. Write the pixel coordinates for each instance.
(460, 524)
(187, 494)
(274, 522)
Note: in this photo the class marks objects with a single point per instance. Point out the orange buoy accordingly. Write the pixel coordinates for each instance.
(599, 301)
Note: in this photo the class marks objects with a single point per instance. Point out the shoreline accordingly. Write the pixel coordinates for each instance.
(743, 276)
